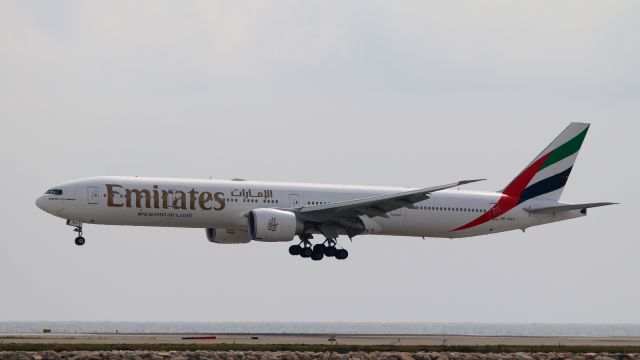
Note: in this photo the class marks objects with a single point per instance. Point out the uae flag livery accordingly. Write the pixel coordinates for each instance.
(544, 177)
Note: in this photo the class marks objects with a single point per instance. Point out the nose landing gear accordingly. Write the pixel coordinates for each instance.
(77, 228)
(79, 239)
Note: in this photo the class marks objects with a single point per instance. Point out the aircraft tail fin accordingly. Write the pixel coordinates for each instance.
(547, 174)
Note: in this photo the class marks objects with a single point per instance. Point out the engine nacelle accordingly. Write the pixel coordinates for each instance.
(273, 225)
(227, 236)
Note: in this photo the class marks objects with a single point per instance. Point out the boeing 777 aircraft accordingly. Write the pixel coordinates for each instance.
(238, 211)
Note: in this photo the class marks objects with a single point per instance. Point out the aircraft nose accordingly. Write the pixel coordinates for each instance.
(40, 202)
(46, 205)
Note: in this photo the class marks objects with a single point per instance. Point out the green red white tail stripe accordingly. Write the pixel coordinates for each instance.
(545, 177)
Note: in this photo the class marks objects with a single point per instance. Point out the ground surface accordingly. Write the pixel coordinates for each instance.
(297, 355)
(320, 339)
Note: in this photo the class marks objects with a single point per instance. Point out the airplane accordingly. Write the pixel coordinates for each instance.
(238, 211)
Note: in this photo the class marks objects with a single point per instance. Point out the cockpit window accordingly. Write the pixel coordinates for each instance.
(54, 192)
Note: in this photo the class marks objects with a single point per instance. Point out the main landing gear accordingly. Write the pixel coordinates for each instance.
(319, 251)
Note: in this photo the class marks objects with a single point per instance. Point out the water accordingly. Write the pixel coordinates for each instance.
(598, 330)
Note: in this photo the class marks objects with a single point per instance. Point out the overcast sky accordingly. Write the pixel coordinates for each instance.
(360, 92)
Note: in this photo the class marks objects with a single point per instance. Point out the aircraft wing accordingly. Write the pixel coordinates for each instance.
(566, 207)
(346, 214)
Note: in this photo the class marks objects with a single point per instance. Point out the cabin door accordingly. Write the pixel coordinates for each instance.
(294, 200)
(92, 195)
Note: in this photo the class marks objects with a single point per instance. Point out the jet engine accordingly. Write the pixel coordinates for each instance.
(227, 236)
(273, 225)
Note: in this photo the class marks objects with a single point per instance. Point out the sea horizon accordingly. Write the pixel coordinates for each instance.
(311, 327)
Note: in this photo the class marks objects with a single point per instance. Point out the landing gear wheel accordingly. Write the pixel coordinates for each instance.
(319, 248)
(317, 255)
(295, 250)
(79, 241)
(306, 252)
(330, 251)
(341, 254)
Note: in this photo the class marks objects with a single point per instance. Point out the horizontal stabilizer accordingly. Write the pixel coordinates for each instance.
(567, 207)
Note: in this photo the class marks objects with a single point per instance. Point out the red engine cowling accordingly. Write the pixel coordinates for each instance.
(273, 225)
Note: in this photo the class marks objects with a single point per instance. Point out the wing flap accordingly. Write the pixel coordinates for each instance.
(346, 215)
(382, 203)
(375, 206)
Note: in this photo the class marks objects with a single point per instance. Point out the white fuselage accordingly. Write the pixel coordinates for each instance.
(224, 204)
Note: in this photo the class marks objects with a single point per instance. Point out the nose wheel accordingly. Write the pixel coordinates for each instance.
(79, 239)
